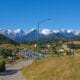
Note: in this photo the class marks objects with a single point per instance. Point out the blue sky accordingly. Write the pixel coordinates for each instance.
(24, 14)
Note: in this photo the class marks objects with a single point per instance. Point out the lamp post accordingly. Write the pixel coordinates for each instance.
(38, 26)
(13, 54)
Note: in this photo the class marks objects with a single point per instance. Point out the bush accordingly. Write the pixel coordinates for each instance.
(2, 65)
(5, 52)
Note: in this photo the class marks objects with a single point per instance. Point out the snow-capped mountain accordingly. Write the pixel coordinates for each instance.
(20, 35)
(45, 31)
(56, 31)
(17, 32)
(5, 32)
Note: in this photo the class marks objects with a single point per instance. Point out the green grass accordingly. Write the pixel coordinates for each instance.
(54, 68)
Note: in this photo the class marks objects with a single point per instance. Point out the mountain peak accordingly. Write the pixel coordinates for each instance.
(32, 29)
(69, 30)
(18, 31)
(46, 31)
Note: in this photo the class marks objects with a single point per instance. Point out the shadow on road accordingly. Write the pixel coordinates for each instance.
(9, 72)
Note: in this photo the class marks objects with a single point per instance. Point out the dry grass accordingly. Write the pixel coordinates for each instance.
(54, 68)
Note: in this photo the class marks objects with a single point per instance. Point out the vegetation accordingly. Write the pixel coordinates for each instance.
(5, 40)
(2, 65)
(5, 52)
(54, 68)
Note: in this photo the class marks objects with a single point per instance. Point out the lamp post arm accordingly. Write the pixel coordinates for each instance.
(40, 22)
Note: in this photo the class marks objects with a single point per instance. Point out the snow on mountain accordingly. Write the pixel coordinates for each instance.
(18, 31)
(9, 31)
(45, 31)
(77, 32)
(31, 30)
(19, 34)
(63, 31)
(70, 31)
(56, 31)
(5, 31)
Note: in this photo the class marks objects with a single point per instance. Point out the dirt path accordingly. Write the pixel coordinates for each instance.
(13, 72)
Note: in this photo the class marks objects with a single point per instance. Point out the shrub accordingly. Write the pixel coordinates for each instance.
(2, 65)
(5, 52)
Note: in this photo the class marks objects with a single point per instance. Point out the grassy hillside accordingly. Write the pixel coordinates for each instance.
(54, 68)
(5, 40)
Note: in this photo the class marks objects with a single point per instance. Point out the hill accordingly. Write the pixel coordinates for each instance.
(5, 40)
(54, 68)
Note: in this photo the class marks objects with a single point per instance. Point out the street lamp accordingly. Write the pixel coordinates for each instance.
(38, 25)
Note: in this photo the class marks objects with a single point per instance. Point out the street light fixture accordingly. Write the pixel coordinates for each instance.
(39, 23)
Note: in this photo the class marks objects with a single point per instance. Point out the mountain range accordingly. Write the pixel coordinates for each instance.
(20, 35)
(5, 40)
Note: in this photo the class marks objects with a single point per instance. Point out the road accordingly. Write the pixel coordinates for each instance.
(31, 54)
(13, 72)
